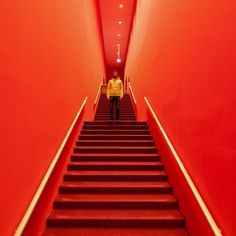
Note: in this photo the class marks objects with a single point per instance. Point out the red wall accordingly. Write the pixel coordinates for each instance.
(182, 57)
(50, 59)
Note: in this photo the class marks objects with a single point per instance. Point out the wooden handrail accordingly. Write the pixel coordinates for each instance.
(132, 94)
(42, 185)
(97, 96)
(216, 230)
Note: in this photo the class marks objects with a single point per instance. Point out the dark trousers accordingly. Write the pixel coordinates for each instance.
(114, 101)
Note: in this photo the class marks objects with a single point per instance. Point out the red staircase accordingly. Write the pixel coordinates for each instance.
(115, 183)
(126, 109)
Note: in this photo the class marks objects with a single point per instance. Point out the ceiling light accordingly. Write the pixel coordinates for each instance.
(118, 35)
(118, 60)
(120, 22)
(121, 5)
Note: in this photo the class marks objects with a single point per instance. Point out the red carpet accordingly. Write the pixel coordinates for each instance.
(115, 183)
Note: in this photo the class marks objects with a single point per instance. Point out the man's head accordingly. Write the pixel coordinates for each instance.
(115, 74)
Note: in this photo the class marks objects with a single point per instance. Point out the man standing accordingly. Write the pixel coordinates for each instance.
(115, 93)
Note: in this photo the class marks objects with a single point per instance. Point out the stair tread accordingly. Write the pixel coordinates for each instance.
(115, 141)
(126, 130)
(123, 109)
(114, 232)
(116, 197)
(104, 137)
(128, 184)
(94, 156)
(107, 112)
(127, 163)
(115, 131)
(116, 172)
(117, 154)
(114, 124)
(121, 118)
(126, 214)
(115, 147)
(121, 122)
(116, 135)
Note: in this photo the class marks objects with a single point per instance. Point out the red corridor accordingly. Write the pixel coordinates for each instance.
(167, 168)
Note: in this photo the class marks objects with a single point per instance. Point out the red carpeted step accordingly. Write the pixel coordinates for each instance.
(102, 131)
(119, 149)
(122, 110)
(104, 113)
(123, 107)
(83, 175)
(107, 116)
(121, 122)
(115, 157)
(123, 114)
(115, 232)
(114, 143)
(115, 201)
(116, 126)
(126, 108)
(107, 107)
(115, 137)
(107, 187)
(139, 218)
(121, 118)
(114, 118)
(92, 165)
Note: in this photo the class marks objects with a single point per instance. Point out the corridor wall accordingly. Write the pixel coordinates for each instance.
(50, 59)
(182, 56)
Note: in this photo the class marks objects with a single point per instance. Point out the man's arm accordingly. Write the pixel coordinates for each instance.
(108, 89)
(122, 90)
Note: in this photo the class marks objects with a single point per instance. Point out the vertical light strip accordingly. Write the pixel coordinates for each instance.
(197, 195)
(37, 195)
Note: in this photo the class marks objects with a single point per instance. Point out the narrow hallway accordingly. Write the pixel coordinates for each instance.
(167, 167)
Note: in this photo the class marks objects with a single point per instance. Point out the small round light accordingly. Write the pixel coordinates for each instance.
(118, 35)
(121, 5)
(118, 60)
(119, 22)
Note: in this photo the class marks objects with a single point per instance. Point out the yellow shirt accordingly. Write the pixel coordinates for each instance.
(115, 88)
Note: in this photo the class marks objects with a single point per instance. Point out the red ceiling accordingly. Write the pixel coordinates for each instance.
(111, 13)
